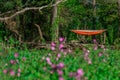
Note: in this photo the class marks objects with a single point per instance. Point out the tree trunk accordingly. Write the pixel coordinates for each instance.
(119, 18)
(54, 23)
(94, 14)
(18, 27)
(94, 17)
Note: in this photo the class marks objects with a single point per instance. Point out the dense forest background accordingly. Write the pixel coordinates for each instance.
(34, 24)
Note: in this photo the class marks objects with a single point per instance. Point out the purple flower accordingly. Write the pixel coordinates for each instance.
(86, 54)
(94, 40)
(12, 61)
(52, 48)
(61, 78)
(61, 46)
(16, 55)
(60, 72)
(84, 49)
(61, 39)
(19, 70)
(100, 54)
(89, 61)
(53, 66)
(18, 74)
(58, 55)
(95, 47)
(48, 60)
(12, 73)
(80, 72)
(69, 51)
(60, 65)
(53, 44)
(4, 71)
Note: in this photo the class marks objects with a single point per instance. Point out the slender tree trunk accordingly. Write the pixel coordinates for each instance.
(119, 18)
(94, 14)
(18, 27)
(54, 23)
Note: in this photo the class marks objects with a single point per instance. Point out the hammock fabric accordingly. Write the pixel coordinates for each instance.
(88, 32)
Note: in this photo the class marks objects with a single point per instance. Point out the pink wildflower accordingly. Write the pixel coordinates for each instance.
(60, 72)
(80, 72)
(60, 65)
(12, 73)
(61, 46)
(61, 39)
(58, 55)
(4, 71)
(94, 40)
(89, 61)
(53, 66)
(19, 70)
(48, 60)
(16, 55)
(100, 54)
(52, 48)
(61, 78)
(95, 47)
(12, 61)
(18, 74)
(69, 51)
(53, 44)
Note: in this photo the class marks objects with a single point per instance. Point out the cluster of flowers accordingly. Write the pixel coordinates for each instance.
(96, 45)
(12, 62)
(86, 55)
(58, 67)
(78, 75)
(53, 45)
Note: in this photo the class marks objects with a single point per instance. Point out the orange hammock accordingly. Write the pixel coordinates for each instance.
(88, 32)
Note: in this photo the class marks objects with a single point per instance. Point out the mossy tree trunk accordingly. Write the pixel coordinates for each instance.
(55, 23)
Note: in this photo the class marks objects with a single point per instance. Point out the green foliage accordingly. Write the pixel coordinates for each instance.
(35, 67)
(9, 5)
(73, 14)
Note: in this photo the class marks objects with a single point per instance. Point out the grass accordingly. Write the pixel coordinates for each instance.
(34, 66)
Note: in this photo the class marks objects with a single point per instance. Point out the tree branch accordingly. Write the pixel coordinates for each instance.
(28, 9)
(40, 32)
